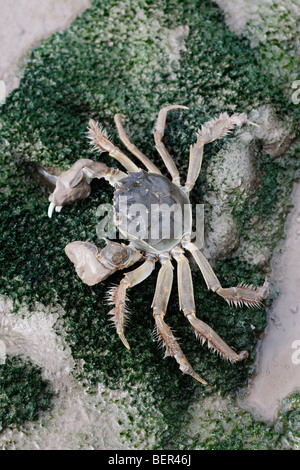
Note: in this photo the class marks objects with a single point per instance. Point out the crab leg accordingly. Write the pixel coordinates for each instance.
(159, 130)
(242, 294)
(187, 305)
(160, 302)
(102, 143)
(100, 170)
(196, 156)
(212, 130)
(117, 296)
(132, 148)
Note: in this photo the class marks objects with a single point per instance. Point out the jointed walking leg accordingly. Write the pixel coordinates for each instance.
(160, 302)
(102, 143)
(132, 148)
(117, 296)
(187, 305)
(212, 130)
(239, 295)
(159, 130)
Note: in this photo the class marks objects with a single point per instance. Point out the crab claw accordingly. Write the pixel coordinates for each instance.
(85, 257)
(51, 209)
(71, 185)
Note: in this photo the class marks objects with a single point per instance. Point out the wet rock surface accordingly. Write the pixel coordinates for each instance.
(23, 24)
(235, 177)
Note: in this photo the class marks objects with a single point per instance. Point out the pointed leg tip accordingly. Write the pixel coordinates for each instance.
(180, 106)
(253, 123)
(264, 290)
(186, 368)
(199, 379)
(242, 356)
(124, 340)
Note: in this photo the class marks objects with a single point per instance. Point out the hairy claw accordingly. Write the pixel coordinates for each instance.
(220, 127)
(99, 138)
(101, 142)
(245, 294)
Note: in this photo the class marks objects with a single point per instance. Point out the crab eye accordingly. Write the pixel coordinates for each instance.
(115, 254)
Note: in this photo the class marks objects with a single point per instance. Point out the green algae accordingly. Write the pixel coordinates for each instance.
(274, 31)
(218, 424)
(116, 58)
(23, 392)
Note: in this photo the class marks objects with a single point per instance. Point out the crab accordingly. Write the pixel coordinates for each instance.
(152, 189)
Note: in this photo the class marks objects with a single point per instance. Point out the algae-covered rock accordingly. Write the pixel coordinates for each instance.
(275, 135)
(235, 180)
(23, 392)
(232, 177)
(135, 57)
(271, 26)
